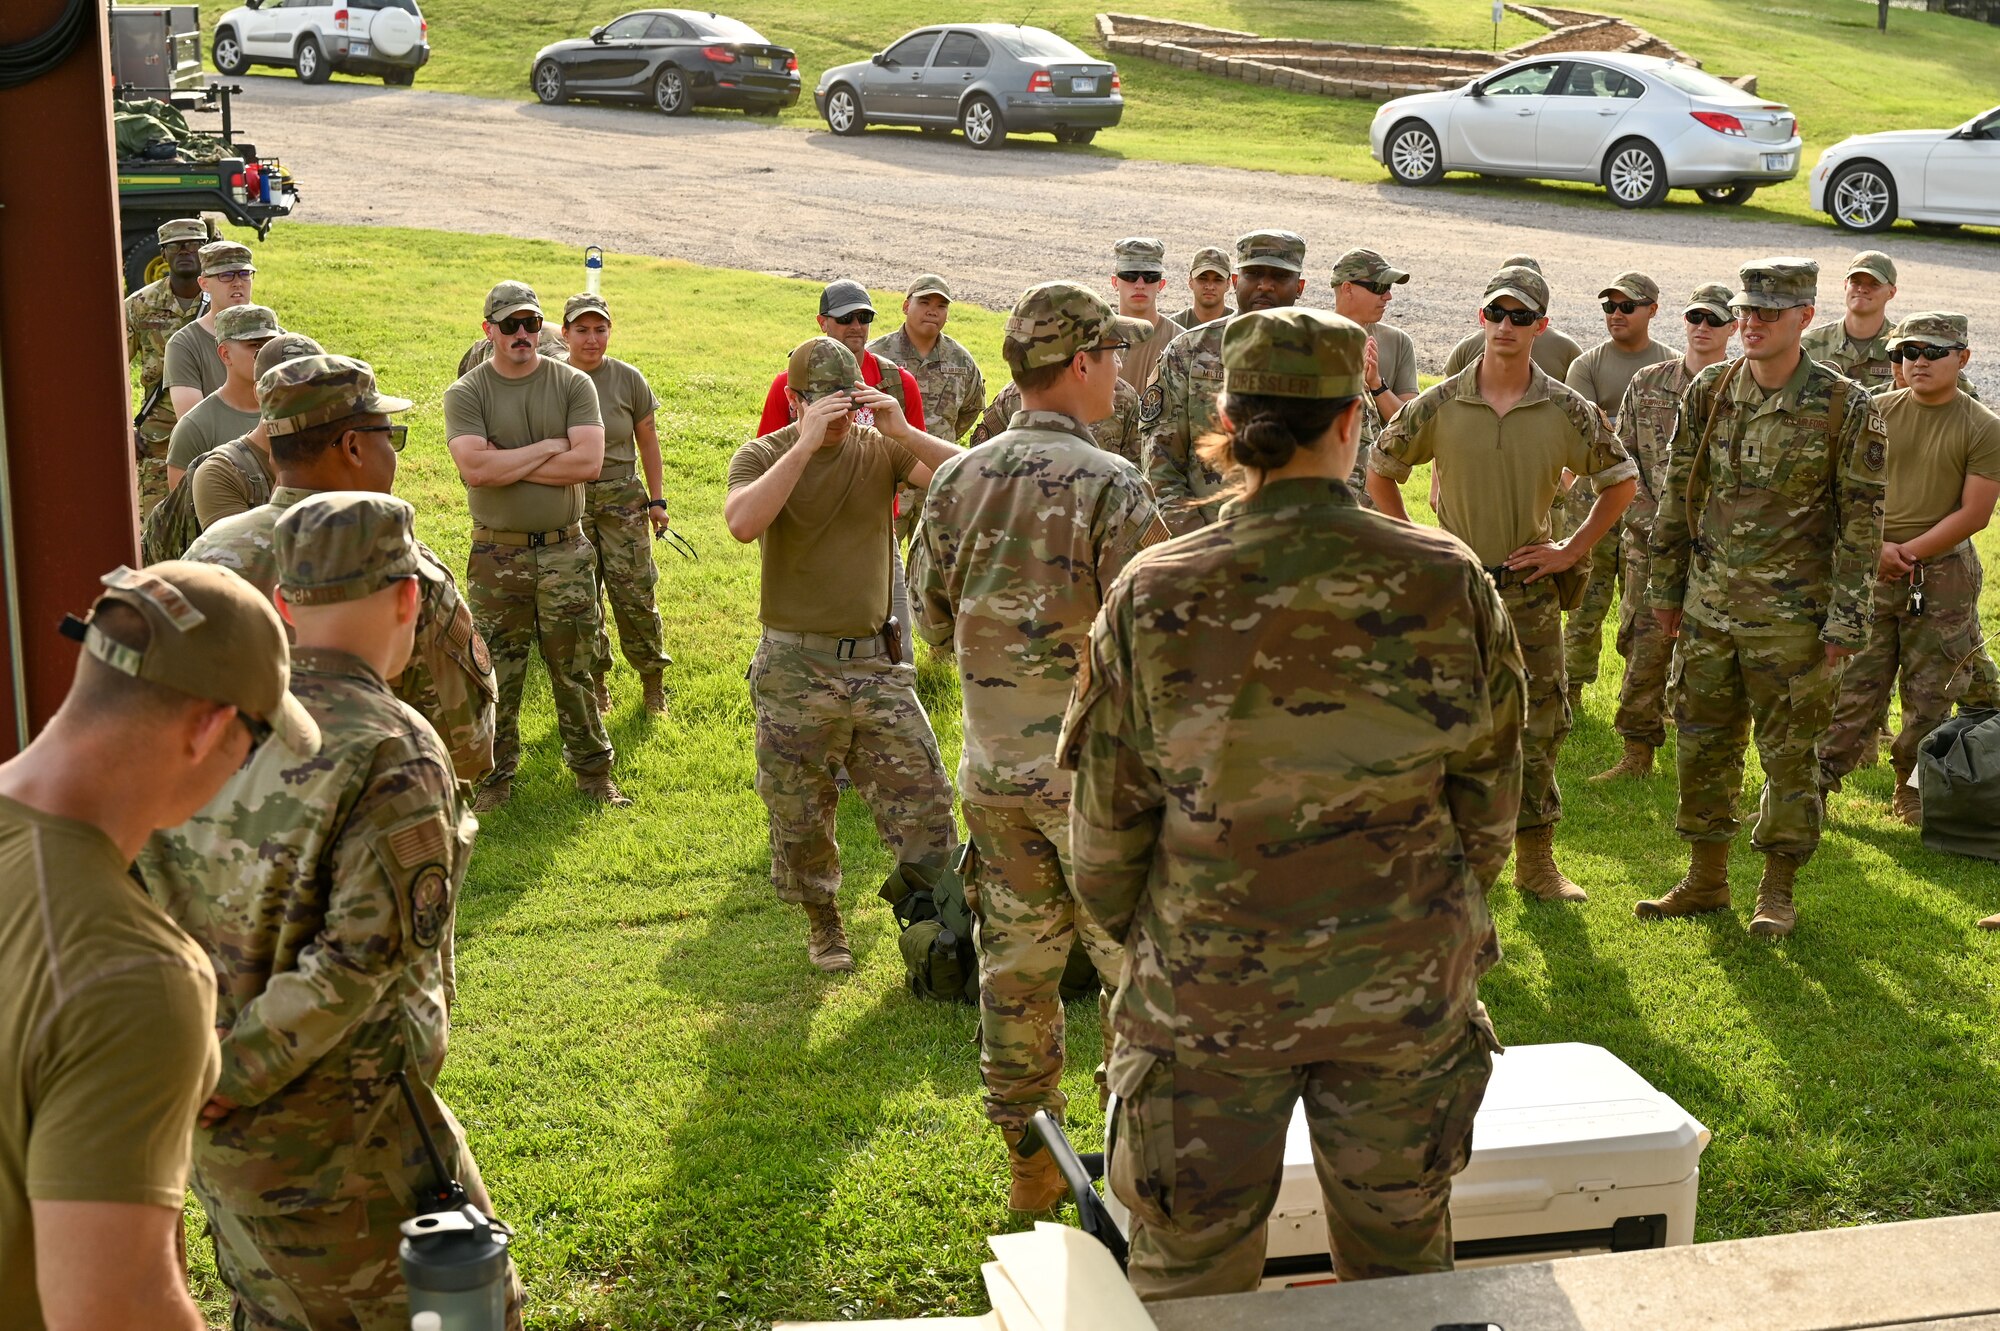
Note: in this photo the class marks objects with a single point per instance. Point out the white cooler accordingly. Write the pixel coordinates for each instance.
(1572, 1152)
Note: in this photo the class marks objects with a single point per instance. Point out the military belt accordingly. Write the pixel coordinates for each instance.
(533, 540)
(844, 649)
(1507, 577)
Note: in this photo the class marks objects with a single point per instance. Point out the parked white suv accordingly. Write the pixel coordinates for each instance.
(316, 37)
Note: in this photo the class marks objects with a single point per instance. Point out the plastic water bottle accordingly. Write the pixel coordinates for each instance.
(455, 1263)
(593, 270)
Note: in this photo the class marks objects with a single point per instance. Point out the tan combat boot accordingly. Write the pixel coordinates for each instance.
(1775, 915)
(601, 691)
(1638, 761)
(1704, 889)
(1907, 803)
(826, 946)
(656, 693)
(1535, 871)
(600, 787)
(1990, 922)
(493, 795)
(1036, 1184)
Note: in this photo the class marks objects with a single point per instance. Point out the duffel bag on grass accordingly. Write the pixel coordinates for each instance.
(1958, 768)
(939, 959)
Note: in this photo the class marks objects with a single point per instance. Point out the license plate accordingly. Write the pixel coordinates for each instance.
(357, 48)
(1777, 161)
(1083, 85)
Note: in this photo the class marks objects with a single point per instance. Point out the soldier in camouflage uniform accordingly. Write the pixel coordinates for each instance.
(946, 374)
(1501, 433)
(1857, 343)
(1764, 553)
(1943, 478)
(1291, 819)
(1178, 406)
(324, 892)
(1646, 420)
(1208, 283)
(154, 313)
(1117, 433)
(1020, 537)
(329, 430)
(832, 684)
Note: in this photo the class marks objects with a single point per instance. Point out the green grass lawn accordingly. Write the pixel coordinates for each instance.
(690, 1128)
(1822, 57)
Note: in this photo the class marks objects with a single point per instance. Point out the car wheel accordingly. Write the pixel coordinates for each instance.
(551, 88)
(1413, 155)
(1862, 197)
(843, 111)
(1634, 175)
(312, 62)
(670, 92)
(227, 52)
(399, 78)
(1725, 196)
(143, 260)
(979, 120)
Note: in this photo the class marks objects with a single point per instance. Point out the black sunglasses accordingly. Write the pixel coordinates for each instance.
(1709, 317)
(518, 323)
(259, 732)
(1372, 288)
(1624, 306)
(1142, 276)
(398, 434)
(1906, 352)
(862, 317)
(1519, 318)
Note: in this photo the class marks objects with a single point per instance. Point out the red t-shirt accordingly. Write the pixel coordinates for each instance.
(778, 412)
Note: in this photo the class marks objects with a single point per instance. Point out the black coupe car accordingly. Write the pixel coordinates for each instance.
(677, 59)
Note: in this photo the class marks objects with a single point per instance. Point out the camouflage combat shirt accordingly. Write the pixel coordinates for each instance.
(1176, 410)
(153, 314)
(1647, 417)
(948, 379)
(1117, 433)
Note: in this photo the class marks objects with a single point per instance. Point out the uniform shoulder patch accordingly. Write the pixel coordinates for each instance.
(418, 842)
(430, 905)
(1877, 456)
(1152, 403)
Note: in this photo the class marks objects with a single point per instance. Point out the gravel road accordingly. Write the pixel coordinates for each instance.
(739, 193)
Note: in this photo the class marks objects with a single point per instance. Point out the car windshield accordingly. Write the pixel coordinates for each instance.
(1691, 80)
(1035, 44)
(725, 29)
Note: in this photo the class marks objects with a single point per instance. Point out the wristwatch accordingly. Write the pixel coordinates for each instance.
(657, 503)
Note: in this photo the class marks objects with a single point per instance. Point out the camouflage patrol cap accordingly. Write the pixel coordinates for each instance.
(246, 323)
(1523, 284)
(928, 284)
(1633, 286)
(1209, 259)
(1527, 261)
(342, 545)
(821, 365)
(1932, 328)
(585, 302)
(1271, 249)
(225, 256)
(213, 636)
(1362, 265)
(1055, 320)
(1140, 254)
(1876, 264)
(283, 347)
(1713, 297)
(511, 298)
(1295, 352)
(1776, 284)
(314, 390)
(182, 229)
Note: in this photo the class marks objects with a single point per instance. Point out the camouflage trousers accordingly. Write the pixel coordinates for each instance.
(152, 473)
(1026, 922)
(524, 598)
(1778, 685)
(1583, 627)
(1648, 652)
(1200, 1150)
(1537, 621)
(1938, 654)
(615, 524)
(817, 714)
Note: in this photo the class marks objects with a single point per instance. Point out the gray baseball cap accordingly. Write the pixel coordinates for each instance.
(844, 297)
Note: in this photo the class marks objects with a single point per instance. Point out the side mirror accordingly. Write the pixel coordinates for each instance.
(1475, 89)
(879, 58)
(253, 4)
(597, 34)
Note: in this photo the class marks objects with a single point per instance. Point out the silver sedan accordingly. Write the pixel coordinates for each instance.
(1636, 124)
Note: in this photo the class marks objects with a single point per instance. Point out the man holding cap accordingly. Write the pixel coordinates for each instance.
(1501, 433)
(832, 683)
(107, 1027)
(1138, 277)
(1363, 286)
(329, 429)
(154, 313)
(1020, 538)
(1208, 283)
(1776, 476)
(1554, 349)
(1178, 406)
(324, 893)
(230, 412)
(948, 380)
(527, 435)
(192, 369)
(1646, 420)
(845, 315)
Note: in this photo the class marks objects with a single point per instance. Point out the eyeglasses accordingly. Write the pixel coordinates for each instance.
(1494, 314)
(182, 247)
(520, 323)
(259, 732)
(862, 317)
(1763, 314)
(1624, 306)
(398, 434)
(233, 275)
(1372, 288)
(1142, 276)
(1907, 352)
(1117, 348)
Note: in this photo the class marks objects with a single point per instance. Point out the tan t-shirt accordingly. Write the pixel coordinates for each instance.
(107, 1038)
(192, 360)
(1603, 373)
(828, 555)
(1931, 452)
(210, 424)
(1395, 358)
(1554, 351)
(624, 398)
(513, 413)
(1135, 365)
(221, 490)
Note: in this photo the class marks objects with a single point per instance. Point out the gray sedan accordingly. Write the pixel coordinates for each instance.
(987, 79)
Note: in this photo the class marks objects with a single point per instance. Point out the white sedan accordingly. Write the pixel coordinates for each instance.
(1637, 124)
(1945, 177)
